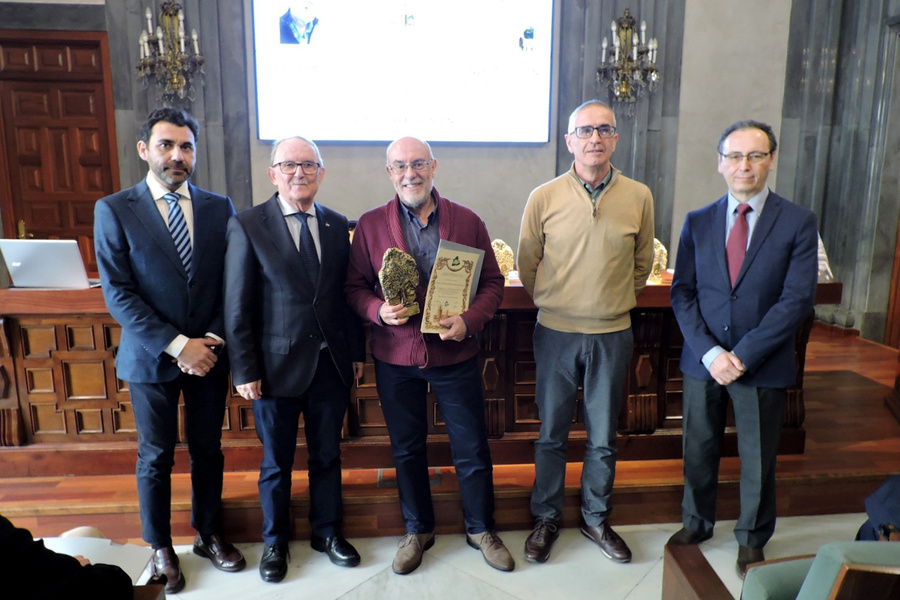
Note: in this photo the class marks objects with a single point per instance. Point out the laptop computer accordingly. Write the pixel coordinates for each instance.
(50, 264)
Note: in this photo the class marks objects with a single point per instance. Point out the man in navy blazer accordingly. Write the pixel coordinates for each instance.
(295, 346)
(739, 318)
(170, 309)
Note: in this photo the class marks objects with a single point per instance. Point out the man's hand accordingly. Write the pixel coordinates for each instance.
(456, 328)
(197, 357)
(726, 368)
(250, 391)
(393, 314)
(358, 369)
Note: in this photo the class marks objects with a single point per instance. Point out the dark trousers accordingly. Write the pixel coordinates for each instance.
(156, 417)
(401, 391)
(758, 416)
(323, 406)
(597, 362)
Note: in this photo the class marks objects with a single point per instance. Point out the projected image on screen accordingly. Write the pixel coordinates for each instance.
(373, 70)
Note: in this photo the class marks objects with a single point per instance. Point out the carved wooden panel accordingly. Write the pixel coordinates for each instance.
(59, 143)
(51, 59)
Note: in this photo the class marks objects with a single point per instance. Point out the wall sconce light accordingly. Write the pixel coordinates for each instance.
(629, 66)
(168, 56)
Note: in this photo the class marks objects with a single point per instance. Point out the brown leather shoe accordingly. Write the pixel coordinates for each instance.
(539, 543)
(223, 555)
(165, 564)
(688, 537)
(746, 557)
(612, 546)
(410, 550)
(493, 550)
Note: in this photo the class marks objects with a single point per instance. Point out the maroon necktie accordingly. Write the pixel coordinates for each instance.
(736, 247)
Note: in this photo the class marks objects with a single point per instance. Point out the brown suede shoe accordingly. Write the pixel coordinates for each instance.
(493, 550)
(165, 564)
(539, 543)
(223, 555)
(612, 546)
(410, 550)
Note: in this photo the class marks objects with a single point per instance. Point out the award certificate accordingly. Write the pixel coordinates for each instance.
(453, 283)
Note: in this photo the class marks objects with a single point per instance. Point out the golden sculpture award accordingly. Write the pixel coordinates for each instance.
(399, 277)
(505, 258)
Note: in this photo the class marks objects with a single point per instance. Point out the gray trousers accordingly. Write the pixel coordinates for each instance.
(758, 416)
(565, 361)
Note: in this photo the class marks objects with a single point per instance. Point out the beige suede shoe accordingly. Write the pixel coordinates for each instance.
(493, 550)
(410, 550)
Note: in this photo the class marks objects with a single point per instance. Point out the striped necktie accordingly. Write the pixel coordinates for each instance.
(179, 230)
(308, 248)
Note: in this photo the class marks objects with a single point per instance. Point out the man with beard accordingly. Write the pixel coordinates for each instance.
(585, 251)
(407, 361)
(160, 250)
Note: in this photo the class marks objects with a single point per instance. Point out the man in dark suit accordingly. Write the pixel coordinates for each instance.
(745, 280)
(295, 346)
(160, 248)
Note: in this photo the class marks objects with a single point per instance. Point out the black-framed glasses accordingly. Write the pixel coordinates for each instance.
(586, 131)
(416, 165)
(734, 158)
(289, 167)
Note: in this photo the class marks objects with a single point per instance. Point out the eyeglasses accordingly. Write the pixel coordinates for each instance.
(289, 167)
(416, 165)
(586, 131)
(735, 158)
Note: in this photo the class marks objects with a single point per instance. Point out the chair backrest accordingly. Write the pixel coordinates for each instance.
(851, 570)
(866, 582)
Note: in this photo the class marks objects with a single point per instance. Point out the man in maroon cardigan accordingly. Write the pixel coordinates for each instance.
(408, 361)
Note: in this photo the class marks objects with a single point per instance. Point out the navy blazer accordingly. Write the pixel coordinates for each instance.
(275, 316)
(144, 283)
(774, 293)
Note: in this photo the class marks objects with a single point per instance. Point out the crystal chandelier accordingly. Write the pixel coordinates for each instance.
(168, 56)
(629, 66)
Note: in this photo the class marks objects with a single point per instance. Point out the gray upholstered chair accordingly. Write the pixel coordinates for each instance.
(839, 571)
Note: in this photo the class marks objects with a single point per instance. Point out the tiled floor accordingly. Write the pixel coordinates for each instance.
(451, 569)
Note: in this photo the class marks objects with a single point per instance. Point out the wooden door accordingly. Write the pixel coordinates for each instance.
(59, 152)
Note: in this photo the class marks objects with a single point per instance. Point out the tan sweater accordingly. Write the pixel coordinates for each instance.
(584, 266)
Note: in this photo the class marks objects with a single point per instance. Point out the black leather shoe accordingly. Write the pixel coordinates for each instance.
(223, 555)
(273, 564)
(747, 556)
(612, 546)
(340, 551)
(165, 565)
(688, 537)
(539, 543)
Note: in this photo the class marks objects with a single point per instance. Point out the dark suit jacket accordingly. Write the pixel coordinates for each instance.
(146, 288)
(275, 316)
(774, 293)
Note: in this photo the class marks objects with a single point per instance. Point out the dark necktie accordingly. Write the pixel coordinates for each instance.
(308, 248)
(736, 248)
(179, 230)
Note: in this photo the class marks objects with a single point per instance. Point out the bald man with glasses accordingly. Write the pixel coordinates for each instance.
(585, 251)
(408, 362)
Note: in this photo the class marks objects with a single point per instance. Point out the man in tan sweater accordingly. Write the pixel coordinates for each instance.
(585, 251)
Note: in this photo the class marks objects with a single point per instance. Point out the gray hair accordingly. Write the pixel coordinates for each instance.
(296, 137)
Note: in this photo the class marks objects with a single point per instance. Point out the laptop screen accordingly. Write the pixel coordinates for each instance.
(51, 264)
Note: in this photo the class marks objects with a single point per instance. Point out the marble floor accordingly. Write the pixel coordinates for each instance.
(451, 569)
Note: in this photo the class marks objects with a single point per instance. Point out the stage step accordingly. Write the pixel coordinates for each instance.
(645, 492)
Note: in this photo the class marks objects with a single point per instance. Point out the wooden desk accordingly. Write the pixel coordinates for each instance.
(58, 383)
